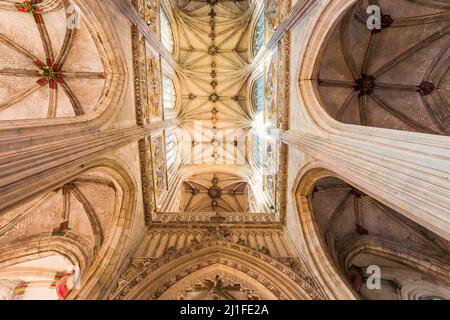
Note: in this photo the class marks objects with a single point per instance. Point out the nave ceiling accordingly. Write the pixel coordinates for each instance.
(48, 70)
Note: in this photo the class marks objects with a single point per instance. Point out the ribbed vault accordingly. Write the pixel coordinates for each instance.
(54, 68)
(360, 232)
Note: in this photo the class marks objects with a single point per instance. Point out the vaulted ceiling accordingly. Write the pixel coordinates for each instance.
(213, 52)
(212, 192)
(82, 207)
(397, 77)
(48, 68)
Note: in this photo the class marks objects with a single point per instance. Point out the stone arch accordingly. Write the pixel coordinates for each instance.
(115, 249)
(218, 282)
(153, 279)
(41, 246)
(322, 262)
(259, 14)
(415, 259)
(422, 290)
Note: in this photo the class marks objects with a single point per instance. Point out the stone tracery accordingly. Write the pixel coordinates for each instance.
(202, 228)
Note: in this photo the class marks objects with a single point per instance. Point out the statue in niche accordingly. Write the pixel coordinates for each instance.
(194, 241)
(241, 242)
(215, 233)
(270, 176)
(171, 249)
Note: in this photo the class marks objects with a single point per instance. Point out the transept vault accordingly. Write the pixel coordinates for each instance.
(224, 150)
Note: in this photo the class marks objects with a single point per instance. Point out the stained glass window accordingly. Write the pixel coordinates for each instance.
(171, 148)
(258, 38)
(169, 96)
(166, 32)
(258, 95)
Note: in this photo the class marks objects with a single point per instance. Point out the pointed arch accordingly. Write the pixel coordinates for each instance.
(153, 279)
(99, 242)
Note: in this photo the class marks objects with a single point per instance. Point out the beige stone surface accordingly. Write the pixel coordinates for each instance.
(305, 201)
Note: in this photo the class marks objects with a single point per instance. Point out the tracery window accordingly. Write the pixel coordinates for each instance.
(169, 96)
(258, 37)
(41, 76)
(166, 32)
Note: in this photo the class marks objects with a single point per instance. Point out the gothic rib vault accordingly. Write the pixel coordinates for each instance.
(216, 149)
